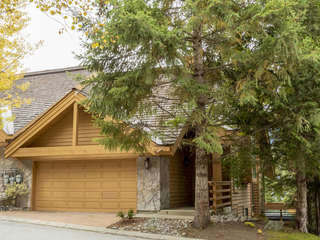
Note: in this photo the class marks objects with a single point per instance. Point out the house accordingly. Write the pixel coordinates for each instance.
(51, 144)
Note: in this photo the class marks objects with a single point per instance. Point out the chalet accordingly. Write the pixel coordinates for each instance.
(51, 144)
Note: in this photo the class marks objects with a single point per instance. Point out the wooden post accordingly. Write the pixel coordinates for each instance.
(75, 124)
(214, 197)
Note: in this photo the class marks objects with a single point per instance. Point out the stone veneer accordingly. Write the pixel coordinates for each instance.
(25, 167)
(153, 184)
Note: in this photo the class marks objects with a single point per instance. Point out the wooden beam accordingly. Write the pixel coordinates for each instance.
(39, 123)
(75, 125)
(70, 151)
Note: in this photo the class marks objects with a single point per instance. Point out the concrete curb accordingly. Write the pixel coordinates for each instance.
(95, 229)
(163, 216)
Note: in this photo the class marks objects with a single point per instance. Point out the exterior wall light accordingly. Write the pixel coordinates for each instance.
(147, 163)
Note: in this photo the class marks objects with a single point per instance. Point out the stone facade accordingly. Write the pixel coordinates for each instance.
(153, 184)
(25, 168)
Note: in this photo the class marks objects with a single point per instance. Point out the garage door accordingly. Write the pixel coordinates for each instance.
(88, 186)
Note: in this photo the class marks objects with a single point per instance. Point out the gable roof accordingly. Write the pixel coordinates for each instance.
(49, 87)
(35, 127)
(46, 88)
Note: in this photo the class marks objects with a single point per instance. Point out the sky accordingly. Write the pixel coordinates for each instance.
(56, 50)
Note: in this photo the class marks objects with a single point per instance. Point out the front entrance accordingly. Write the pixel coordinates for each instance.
(86, 186)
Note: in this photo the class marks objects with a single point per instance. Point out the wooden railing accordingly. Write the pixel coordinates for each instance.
(220, 194)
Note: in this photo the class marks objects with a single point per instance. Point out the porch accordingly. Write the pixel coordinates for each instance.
(224, 196)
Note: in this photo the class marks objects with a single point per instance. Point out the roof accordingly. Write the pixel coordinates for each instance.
(46, 88)
(50, 86)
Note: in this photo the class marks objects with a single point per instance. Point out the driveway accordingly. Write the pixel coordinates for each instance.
(14, 231)
(85, 219)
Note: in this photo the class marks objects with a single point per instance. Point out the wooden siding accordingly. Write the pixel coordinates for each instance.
(241, 199)
(58, 134)
(181, 182)
(87, 131)
(256, 199)
(95, 186)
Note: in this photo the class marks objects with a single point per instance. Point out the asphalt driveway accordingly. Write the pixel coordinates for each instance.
(14, 231)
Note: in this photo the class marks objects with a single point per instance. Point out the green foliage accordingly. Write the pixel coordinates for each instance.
(252, 66)
(282, 188)
(130, 214)
(290, 236)
(16, 190)
(121, 215)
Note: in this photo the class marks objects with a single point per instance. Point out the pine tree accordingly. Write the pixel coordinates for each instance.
(138, 47)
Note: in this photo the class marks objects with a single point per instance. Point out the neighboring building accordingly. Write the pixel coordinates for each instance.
(52, 146)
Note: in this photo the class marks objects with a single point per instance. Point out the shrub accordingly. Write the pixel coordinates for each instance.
(130, 214)
(120, 214)
(15, 190)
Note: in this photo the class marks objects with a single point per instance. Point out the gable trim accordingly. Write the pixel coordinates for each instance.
(39, 123)
(34, 127)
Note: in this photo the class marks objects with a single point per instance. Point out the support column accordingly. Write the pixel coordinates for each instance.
(153, 183)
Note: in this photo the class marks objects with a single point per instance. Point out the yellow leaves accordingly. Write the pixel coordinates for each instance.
(104, 40)
(52, 12)
(73, 27)
(24, 86)
(259, 231)
(94, 45)
(250, 224)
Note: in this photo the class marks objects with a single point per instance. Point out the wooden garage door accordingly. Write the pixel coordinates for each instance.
(88, 186)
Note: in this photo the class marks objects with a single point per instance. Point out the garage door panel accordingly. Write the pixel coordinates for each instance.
(93, 174)
(93, 195)
(111, 195)
(77, 185)
(77, 174)
(75, 205)
(92, 186)
(111, 205)
(128, 195)
(76, 195)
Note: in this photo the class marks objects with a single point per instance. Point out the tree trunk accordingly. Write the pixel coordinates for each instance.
(302, 206)
(266, 159)
(202, 215)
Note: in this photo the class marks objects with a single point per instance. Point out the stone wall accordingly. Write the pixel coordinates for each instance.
(153, 184)
(25, 167)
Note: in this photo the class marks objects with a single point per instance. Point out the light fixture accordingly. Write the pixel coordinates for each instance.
(147, 163)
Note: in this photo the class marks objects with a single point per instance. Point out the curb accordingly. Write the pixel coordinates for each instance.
(96, 229)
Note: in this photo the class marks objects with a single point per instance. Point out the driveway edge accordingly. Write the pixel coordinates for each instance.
(95, 229)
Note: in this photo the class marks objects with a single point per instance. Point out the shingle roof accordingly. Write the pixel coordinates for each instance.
(48, 87)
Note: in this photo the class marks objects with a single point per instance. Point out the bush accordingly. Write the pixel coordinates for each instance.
(120, 214)
(130, 214)
(15, 190)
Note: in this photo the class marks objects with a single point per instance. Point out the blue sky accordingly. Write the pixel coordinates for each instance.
(56, 50)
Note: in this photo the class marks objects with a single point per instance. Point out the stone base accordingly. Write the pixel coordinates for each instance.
(25, 167)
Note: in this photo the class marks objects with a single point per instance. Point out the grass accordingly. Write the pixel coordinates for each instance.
(291, 236)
